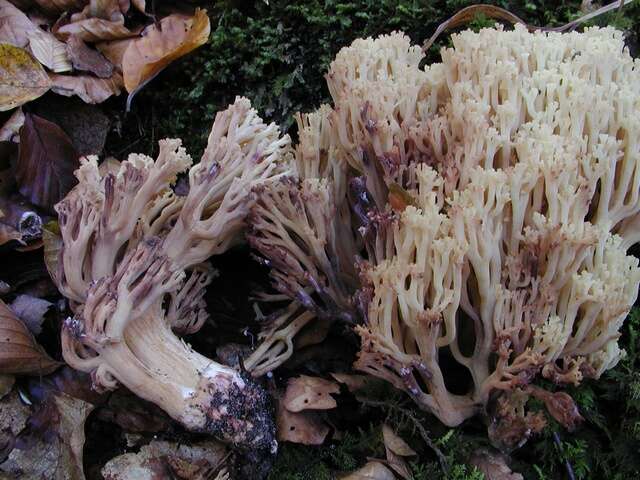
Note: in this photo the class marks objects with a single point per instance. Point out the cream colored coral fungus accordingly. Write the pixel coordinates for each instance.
(132, 266)
(489, 202)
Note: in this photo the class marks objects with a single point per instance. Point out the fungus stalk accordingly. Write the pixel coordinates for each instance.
(132, 266)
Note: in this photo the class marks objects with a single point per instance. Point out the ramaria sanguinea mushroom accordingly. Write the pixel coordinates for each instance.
(132, 268)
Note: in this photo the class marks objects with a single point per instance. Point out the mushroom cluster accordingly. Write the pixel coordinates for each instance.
(132, 267)
(471, 218)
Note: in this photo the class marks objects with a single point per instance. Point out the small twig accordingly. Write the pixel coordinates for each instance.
(417, 425)
(567, 464)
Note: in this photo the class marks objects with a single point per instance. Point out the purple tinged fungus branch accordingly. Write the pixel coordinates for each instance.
(486, 203)
(132, 266)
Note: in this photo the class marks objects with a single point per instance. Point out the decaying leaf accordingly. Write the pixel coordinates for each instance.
(310, 393)
(161, 460)
(133, 414)
(7, 232)
(96, 29)
(396, 444)
(12, 126)
(174, 37)
(89, 89)
(87, 59)
(31, 311)
(46, 162)
(371, 471)
(49, 51)
(6, 384)
(56, 7)
(493, 465)
(52, 451)
(22, 78)
(13, 418)
(14, 25)
(114, 50)
(305, 428)
(19, 352)
(52, 242)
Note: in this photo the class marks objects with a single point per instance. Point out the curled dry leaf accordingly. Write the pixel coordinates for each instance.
(114, 50)
(305, 428)
(19, 351)
(22, 78)
(51, 447)
(87, 59)
(310, 393)
(13, 417)
(18, 30)
(493, 465)
(96, 30)
(31, 310)
(6, 384)
(175, 36)
(160, 460)
(15, 26)
(396, 444)
(49, 51)
(52, 242)
(46, 162)
(89, 89)
(354, 383)
(12, 126)
(371, 471)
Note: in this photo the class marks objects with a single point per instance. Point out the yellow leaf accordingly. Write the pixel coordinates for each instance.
(22, 78)
(176, 36)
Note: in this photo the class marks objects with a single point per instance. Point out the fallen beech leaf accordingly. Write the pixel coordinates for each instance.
(51, 447)
(371, 471)
(49, 51)
(175, 36)
(493, 465)
(114, 50)
(14, 25)
(6, 384)
(353, 383)
(56, 7)
(89, 89)
(396, 444)
(310, 393)
(22, 78)
(46, 162)
(52, 242)
(107, 9)
(12, 126)
(305, 428)
(87, 59)
(139, 4)
(13, 418)
(96, 29)
(19, 352)
(160, 460)
(31, 310)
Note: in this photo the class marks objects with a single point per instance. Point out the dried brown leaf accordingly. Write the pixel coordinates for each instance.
(87, 59)
(49, 51)
(371, 471)
(19, 351)
(15, 26)
(493, 465)
(22, 78)
(55, 7)
(12, 126)
(46, 162)
(354, 383)
(96, 30)
(31, 310)
(90, 89)
(160, 460)
(309, 393)
(305, 428)
(56, 452)
(13, 417)
(396, 444)
(114, 50)
(6, 384)
(175, 36)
